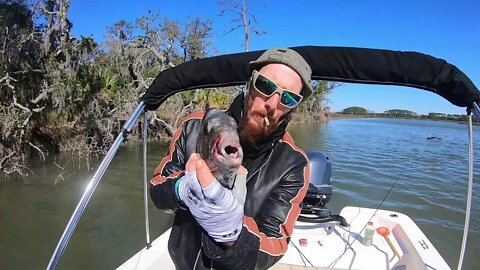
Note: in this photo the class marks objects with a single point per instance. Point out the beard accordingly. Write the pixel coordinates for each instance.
(253, 128)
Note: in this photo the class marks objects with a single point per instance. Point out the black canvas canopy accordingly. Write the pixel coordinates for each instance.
(343, 64)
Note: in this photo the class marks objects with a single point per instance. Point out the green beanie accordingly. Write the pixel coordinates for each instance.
(289, 58)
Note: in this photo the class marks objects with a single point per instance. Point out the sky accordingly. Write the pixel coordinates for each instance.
(445, 29)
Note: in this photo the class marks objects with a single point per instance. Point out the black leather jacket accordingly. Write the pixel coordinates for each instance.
(278, 177)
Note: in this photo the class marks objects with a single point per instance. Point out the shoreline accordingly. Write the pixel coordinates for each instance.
(355, 116)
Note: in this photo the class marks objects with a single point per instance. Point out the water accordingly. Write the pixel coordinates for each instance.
(33, 216)
(368, 155)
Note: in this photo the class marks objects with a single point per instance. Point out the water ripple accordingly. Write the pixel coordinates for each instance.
(369, 155)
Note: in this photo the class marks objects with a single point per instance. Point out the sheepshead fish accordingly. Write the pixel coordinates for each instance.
(218, 144)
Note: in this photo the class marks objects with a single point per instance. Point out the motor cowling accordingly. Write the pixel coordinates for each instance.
(320, 189)
(314, 205)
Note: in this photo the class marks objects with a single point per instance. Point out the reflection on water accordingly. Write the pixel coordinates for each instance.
(33, 216)
(368, 155)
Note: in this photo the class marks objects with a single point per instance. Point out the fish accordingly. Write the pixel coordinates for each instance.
(219, 145)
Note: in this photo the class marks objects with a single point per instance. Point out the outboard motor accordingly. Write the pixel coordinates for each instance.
(314, 205)
(320, 188)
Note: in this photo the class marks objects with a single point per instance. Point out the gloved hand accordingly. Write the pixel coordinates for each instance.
(214, 207)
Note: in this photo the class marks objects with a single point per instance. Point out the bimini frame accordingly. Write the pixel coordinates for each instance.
(353, 65)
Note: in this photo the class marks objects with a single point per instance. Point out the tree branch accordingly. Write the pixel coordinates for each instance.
(168, 129)
(5, 41)
(231, 30)
(32, 70)
(7, 80)
(41, 96)
(16, 104)
(42, 156)
(182, 112)
(48, 12)
(4, 159)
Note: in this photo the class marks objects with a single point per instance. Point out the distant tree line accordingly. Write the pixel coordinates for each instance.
(399, 113)
(59, 92)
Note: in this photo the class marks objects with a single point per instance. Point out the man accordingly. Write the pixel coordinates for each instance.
(211, 229)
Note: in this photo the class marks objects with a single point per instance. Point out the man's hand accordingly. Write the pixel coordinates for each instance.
(214, 207)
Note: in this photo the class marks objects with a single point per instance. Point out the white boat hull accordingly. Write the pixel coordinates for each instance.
(328, 245)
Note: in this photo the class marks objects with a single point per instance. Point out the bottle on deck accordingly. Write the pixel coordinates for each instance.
(368, 234)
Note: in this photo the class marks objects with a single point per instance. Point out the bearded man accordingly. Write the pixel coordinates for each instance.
(223, 233)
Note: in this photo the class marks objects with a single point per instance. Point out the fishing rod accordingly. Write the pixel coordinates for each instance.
(348, 244)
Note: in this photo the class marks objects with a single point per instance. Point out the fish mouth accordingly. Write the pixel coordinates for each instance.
(228, 149)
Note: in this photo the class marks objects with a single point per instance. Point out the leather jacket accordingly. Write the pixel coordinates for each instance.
(277, 181)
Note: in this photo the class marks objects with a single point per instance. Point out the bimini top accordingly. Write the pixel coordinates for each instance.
(353, 65)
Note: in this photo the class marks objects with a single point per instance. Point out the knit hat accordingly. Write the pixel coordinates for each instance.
(289, 58)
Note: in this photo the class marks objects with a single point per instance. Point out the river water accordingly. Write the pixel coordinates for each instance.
(368, 155)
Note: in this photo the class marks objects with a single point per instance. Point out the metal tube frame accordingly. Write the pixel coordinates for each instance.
(77, 214)
(145, 179)
(476, 113)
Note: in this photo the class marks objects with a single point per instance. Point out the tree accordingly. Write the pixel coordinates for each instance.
(355, 110)
(62, 93)
(317, 100)
(195, 39)
(59, 93)
(434, 115)
(400, 113)
(242, 18)
(21, 70)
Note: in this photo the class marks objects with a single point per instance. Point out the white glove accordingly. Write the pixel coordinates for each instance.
(214, 207)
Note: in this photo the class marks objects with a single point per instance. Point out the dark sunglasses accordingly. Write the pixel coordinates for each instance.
(266, 87)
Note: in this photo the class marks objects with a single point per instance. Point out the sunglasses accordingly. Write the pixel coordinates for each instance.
(267, 88)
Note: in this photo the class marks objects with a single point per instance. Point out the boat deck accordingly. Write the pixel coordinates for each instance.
(329, 246)
(332, 246)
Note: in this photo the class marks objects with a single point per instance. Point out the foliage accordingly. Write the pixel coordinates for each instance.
(355, 110)
(317, 100)
(60, 93)
(400, 113)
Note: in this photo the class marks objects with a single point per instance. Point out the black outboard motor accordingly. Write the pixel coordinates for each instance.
(320, 188)
(314, 205)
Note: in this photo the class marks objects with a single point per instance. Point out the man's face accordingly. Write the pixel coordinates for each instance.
(263, 114)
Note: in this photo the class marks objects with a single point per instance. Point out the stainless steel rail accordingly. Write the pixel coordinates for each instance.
(77, 214)
(476, 113)
(145, 179)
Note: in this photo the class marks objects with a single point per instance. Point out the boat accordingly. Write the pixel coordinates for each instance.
(330, 246)
(320, 239)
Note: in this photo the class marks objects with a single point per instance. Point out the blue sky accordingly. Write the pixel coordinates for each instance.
(444, 29)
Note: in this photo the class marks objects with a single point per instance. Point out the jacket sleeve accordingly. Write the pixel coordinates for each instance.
(266, 235)
(170, 169)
